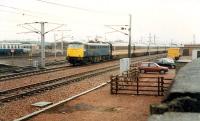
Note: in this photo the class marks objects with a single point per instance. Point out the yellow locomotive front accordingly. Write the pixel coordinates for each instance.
(75, 53)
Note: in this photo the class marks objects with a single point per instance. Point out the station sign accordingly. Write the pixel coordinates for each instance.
(124, 65)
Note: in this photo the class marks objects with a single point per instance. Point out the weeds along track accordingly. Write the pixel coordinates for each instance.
(28, 90)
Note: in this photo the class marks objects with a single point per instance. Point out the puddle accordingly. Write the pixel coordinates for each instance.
(83, 107)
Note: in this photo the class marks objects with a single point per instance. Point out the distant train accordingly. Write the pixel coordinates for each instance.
(81, 53)
(30, 48)
(9, 48)
(17, 48)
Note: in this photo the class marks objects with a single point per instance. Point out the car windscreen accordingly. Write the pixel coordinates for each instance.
(153, 65)
(168, 60)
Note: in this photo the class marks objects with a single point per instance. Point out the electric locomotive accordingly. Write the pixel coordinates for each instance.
(82, 53)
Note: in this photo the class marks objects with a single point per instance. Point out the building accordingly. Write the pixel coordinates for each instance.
(188, 48)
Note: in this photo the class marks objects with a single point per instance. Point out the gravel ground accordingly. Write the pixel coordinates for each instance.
(16, 109)
(100, 105)
(53, 75)
(115, 107)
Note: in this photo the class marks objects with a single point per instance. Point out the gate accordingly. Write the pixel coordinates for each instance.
(137, 85)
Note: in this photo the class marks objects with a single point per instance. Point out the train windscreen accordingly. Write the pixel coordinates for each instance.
(75, 46)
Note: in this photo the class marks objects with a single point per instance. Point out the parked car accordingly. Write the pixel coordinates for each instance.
(167, 62)
(152, 67)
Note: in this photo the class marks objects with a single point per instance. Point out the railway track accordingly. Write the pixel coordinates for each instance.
(37, 72)
(19, 92)
(34, 71)
(31, 73)
(40, 71)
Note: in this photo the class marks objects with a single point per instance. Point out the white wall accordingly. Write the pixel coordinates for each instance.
(194, 54)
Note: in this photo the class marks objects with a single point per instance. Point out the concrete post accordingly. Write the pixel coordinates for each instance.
(42, 45)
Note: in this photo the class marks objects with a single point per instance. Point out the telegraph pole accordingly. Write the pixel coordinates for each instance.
(42, 33)
(62, 43)
(129, 45)
(148, 48)
(154, 40)
(42, 45)
(55, 45)
(194, 38)
(141, 39)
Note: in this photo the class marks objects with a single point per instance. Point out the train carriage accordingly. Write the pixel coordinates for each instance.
(7, 48)
(80, 53)
(30, 48)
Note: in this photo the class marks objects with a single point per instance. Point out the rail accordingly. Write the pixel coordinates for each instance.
(48, 70)
(20, 92)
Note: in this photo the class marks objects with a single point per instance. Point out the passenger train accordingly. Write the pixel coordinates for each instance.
(17, 48)
(30, 48)
(123, 46)
(9, 48)
(83, 52)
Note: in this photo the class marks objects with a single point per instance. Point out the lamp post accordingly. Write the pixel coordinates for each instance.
(55, 44)
(129, 45)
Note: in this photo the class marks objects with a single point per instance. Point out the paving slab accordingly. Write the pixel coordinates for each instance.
(42, 104)
(174, 116)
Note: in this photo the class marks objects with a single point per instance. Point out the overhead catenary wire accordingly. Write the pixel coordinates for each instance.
(25, 12)
(22, 10)
(79, 8)
(19, 13)
(32, 13)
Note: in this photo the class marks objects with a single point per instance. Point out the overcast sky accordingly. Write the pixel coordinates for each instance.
(169, 20)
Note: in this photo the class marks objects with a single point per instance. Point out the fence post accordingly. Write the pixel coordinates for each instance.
(137, 85)
(158, 86)
(162, 85)
(116, 84)
(111, 84)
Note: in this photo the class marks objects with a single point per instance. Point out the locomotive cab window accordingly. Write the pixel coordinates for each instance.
(86, 47)
(75, 46)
